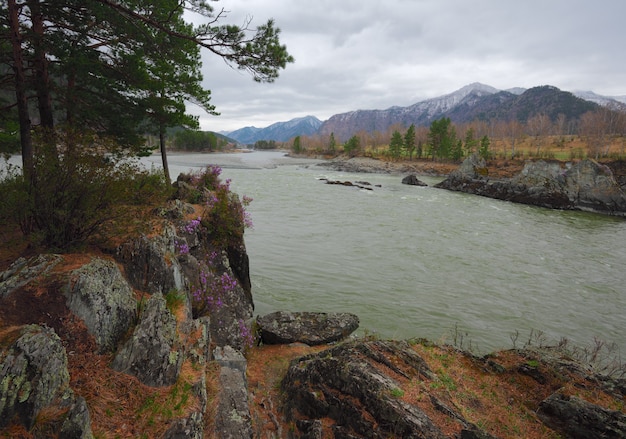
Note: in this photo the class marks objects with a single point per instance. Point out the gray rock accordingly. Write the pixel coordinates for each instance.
(150, 263)
(33, 374)
(412, 180)
(187, 428)
(586, 185)
(578, 419)
(346, 385)
(77, 425)
(232, 418)
(312, 328)
(153, 353)
(23, 271)
(99, 294)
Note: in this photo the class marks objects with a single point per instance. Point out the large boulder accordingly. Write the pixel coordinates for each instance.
(33, 374)
(23, 271)
(312, 328)
(579, 419)
(153, 354)
(348, 385)
(586, 185)
(98, 294)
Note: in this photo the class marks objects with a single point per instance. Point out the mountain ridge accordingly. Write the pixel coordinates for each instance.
(279, 131)
(471, 102)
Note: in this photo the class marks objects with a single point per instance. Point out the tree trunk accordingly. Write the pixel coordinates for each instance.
(42, 76)
(20, 91)
(164, 153)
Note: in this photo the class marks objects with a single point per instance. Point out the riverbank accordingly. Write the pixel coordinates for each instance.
(454, 390)
(497, 168)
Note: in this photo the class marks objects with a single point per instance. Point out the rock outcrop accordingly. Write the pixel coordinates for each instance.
(153, 353)
(576, 418)
(311, 328)
(156, 264)
(98, 294)
(143, 316)
(379, 389)
(586, 185)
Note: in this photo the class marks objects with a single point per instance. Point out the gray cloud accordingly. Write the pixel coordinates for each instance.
(353, 55)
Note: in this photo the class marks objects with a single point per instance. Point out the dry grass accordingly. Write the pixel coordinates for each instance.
(267, 365)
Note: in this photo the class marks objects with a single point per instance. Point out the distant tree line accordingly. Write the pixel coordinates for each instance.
(445, 140)
(265, 144)
(199, 141)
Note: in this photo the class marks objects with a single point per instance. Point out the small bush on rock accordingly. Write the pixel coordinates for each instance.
(224, 217)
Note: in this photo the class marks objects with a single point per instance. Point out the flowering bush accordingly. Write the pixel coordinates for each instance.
(221, 225)
(246, 334)
(209, 295)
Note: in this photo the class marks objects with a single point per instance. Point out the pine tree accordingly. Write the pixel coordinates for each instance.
(395, 145)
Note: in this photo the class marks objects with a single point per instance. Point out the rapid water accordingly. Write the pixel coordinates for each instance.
(425, 262)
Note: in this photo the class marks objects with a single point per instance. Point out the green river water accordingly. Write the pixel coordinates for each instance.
(425, 262)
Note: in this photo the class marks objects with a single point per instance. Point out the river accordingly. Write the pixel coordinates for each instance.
(424, 262)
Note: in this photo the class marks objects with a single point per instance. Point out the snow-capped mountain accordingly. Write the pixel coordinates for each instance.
(474, 101)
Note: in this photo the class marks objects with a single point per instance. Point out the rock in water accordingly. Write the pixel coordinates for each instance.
(412, 180)
(306, 327)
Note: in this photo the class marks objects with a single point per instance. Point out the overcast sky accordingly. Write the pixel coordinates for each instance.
(366, 54)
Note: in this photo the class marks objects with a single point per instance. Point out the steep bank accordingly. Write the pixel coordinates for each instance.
(122, 404)
(145, 339)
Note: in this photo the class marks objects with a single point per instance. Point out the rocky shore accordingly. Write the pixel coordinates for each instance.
(110, 345)
(585, 185)
(372, 165)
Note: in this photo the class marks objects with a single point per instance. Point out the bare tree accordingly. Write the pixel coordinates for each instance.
(537, 127)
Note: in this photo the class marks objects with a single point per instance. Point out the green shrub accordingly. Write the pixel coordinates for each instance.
(224, 217)
(77, 186)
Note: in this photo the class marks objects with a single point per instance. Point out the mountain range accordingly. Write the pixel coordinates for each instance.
(472, 102)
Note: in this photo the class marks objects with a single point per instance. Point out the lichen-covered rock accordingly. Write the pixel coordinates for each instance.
(77, 425)
(99, 294)
(343, 384)
(312, 328)
(153, 353)
(23, 271)
(585, 185)
(33, 374)
(578, 419)
(232, 419)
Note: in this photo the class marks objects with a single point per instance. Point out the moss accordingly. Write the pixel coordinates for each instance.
(173, 357)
